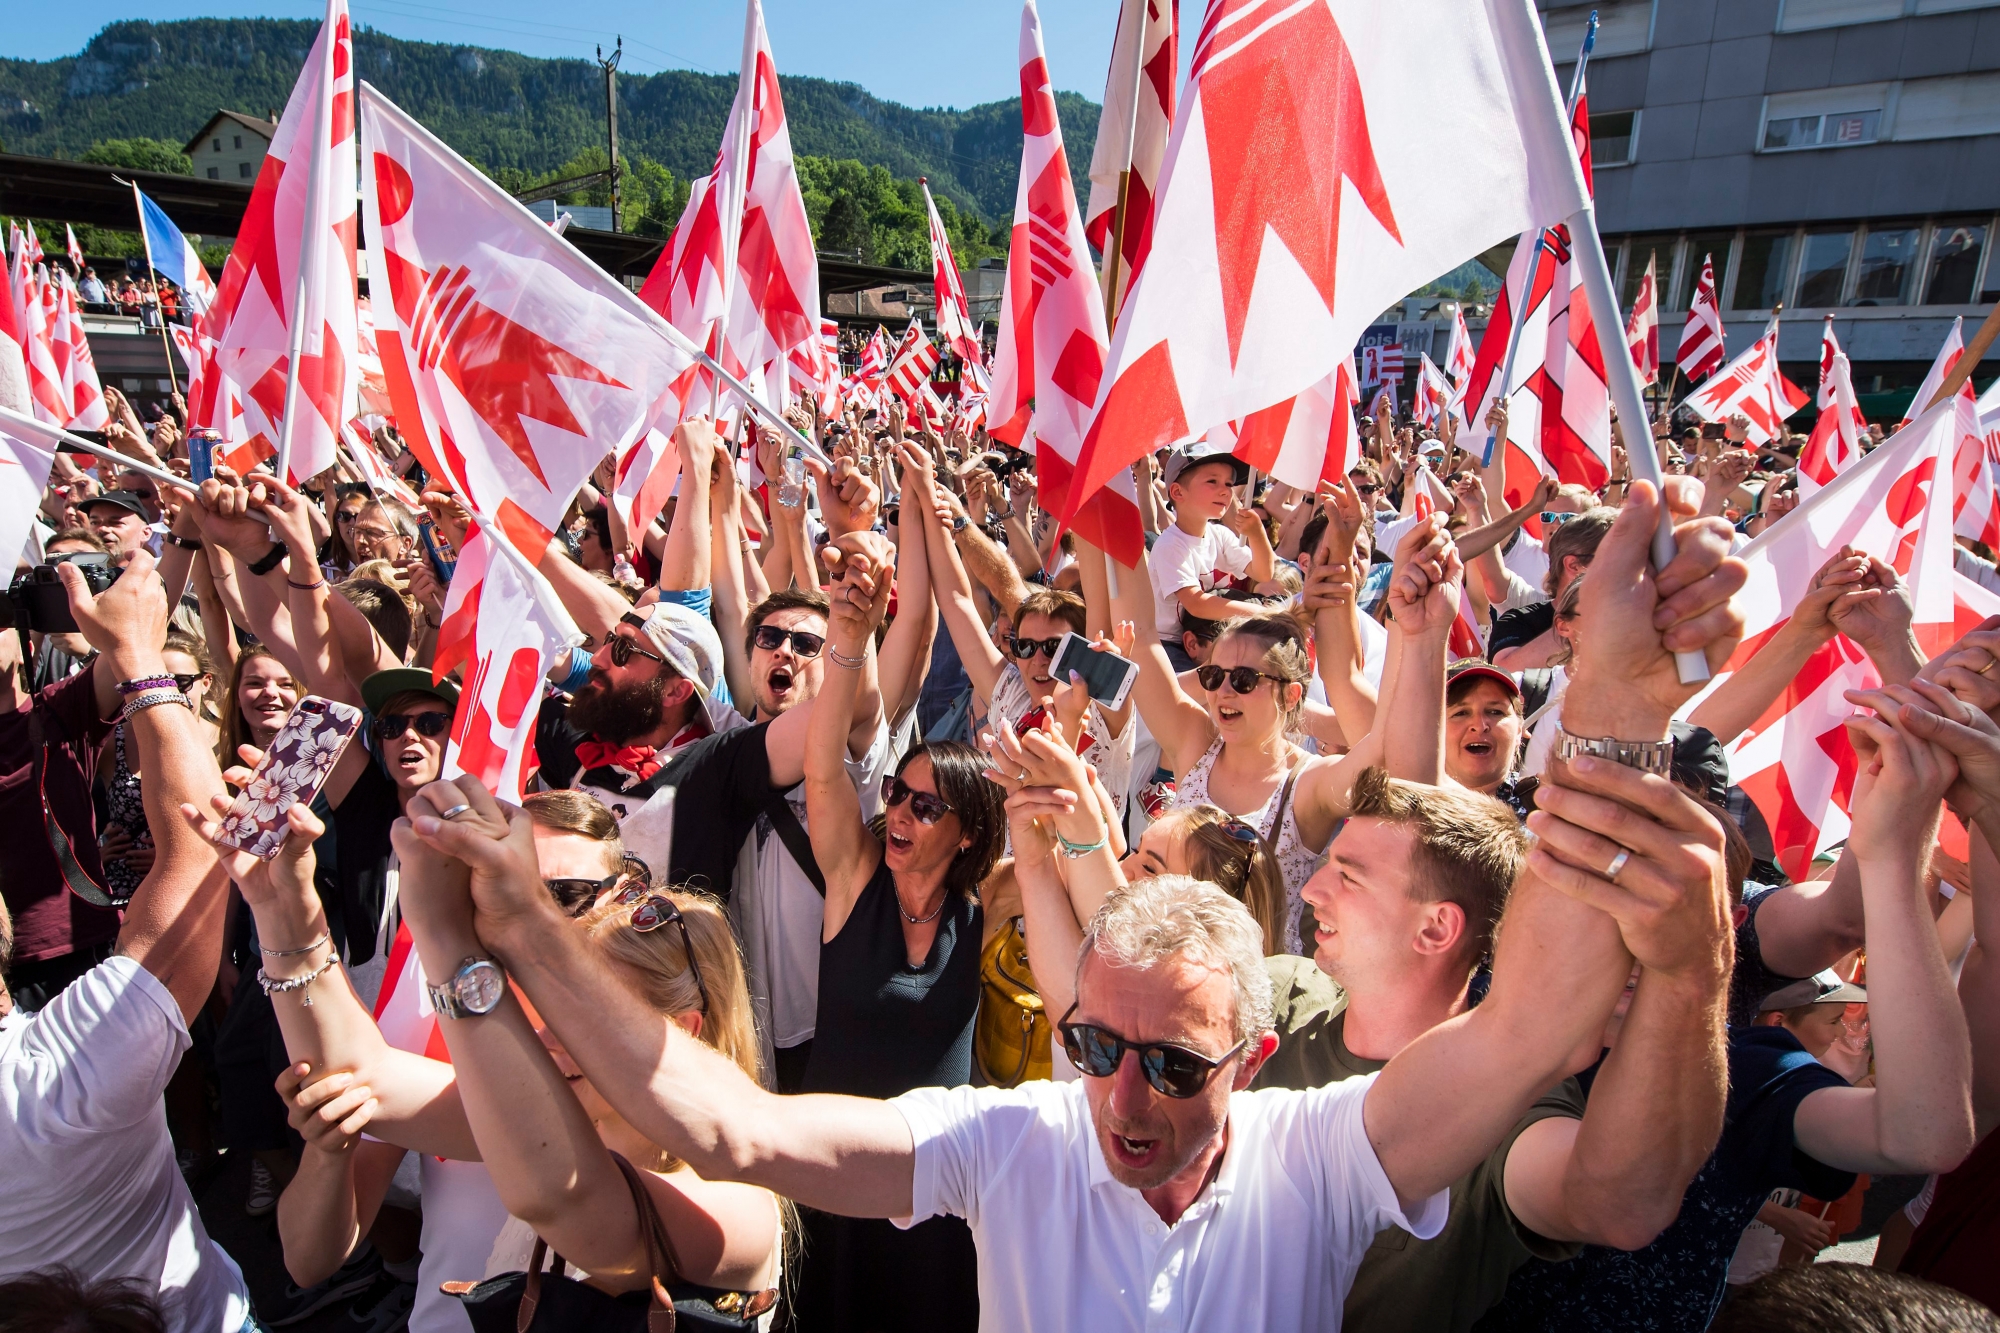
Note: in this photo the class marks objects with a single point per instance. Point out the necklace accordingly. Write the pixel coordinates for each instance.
(918, 920)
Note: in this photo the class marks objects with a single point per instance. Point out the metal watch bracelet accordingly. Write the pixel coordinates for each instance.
(1646, 756)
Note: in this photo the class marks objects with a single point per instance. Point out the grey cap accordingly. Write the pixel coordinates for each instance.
(688, 642)
(1180, 460)
(1821, 988)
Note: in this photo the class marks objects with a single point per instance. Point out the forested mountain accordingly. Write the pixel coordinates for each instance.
(503, 110)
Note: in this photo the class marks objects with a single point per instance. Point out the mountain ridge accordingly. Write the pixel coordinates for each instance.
(503, 109)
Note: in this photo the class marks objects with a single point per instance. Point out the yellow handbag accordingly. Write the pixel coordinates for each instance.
(1011, 1038)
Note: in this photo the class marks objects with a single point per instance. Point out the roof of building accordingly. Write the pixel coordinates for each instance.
(267, 128)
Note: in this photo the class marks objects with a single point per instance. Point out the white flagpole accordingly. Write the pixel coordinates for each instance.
(125, 462)
(739, 180)
(1541, 240)
(312, 245)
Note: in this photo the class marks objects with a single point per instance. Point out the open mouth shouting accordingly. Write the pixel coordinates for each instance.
(780, 685)
(1226, 714)
(1477, 749)
(1132, 1153)
(899, 844)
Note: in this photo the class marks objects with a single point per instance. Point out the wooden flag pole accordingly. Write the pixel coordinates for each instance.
(1969, 359)
(166, 341)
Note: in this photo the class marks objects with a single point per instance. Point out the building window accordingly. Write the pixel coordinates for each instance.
(1614, 138)
(1836, 130)
(1888, 257)
(1955, 248)
(1763, 271)
(243, 170)
(215, 173)
(1823, 268)
(1660, 249)
(239, 141)
(218, 145)
(1715, 246)
(1799, 15)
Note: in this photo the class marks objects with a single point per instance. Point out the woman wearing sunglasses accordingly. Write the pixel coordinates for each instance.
(510, 1097)
(1231, 747)
(899, 963)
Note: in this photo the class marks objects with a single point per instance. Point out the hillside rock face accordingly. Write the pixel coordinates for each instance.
(501, 108)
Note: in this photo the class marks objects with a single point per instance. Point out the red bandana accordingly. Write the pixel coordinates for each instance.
(639, 760)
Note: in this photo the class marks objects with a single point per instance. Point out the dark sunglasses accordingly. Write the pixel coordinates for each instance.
(928, 808)
(1366, 487)
(574, 895)
(391, 725)
(1554, 520)
(1242, 680)
(770, 638)
(1240, 831)
(1027, 648)
(1173, 1071)
(186, 683)
(625, 647)
(656, 911)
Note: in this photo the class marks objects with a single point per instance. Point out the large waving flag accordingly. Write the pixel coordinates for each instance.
(1975, 472)
(1132, 130)
(27, 455)
(1297, 202)
(38, 353)
(13, 348)
(1753, 386)
(1796, 762)
(173, 256)
(262, 306)
(1947, 357)
(1701, 350)
(82, 390)
(1835, 444)
(954, 318)
(1309, 438)
(1049, 361)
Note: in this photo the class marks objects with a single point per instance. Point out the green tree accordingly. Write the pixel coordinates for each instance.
(141, 155)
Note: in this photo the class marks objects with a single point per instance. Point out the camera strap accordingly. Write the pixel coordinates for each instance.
(75, 878)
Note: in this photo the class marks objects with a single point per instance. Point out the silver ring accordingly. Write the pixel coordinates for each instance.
(456, 810)
(1617, 864)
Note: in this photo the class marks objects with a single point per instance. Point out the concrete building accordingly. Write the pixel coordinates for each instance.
(1836, 156)
(231, 146)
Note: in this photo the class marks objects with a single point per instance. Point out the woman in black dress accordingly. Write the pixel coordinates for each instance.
(899, 965)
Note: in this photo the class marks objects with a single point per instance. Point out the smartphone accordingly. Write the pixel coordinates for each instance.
(96, 437)
(437, 551)
(201, 454)
(1107, 676)
(300, 760)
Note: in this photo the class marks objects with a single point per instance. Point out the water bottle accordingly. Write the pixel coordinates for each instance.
(622, 571)
(792, 492)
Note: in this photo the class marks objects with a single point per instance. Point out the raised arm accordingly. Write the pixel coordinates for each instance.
(173, 925)
(731, 602)
(1179, 723)
(684, 562)
(1737, 704)
(982, 661)
(905, 658)
(1918, 1116)
(846, 1155)
(846, 851)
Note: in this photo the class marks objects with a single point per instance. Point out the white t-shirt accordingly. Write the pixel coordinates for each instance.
(1178, 561)
(1272, 1244)
(1527, 558)
(779, 916)
(87, 1170)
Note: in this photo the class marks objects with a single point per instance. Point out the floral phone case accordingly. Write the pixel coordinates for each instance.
(297, 765)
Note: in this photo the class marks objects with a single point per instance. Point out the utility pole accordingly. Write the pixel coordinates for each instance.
(610, 68)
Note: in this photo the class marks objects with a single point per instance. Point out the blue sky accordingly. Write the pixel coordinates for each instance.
(919, 52)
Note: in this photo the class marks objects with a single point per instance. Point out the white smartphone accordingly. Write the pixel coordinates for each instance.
(1107, 676)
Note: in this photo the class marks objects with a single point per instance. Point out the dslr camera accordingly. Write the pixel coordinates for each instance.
(38, 599)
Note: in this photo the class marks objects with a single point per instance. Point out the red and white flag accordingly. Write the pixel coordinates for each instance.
(1701, 349)
(257, 305)
(1975, 472)
(45, 377)
(1642, 327)
(1433, 393)
(954, 318)
(1145, 56)
(1947, 357)
(33, 243)
(824, 382)
(27, 455)
(748, 215)
(506, 648)
(911, 368)
(1751, 385)
(74, 250)
(865, 384)
(81, 387)
(373, 388)
(13, 355)
(1424, 495)
(513, 362)
(1796, 762)
(1049, 362)
(1835, 444)
(1308, 438)
(385, 485)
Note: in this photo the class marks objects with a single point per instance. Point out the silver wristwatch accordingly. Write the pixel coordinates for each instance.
(474, 989)
(1646, 756)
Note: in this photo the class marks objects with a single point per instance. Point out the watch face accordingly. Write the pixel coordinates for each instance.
(479, 986)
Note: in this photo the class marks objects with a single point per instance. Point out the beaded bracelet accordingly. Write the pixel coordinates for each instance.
(143, 683)
(1077, 850)
(289, 984)
(139, 703)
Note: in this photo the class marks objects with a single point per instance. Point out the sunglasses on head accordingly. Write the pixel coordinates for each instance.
(1173, 1071)
(770, 638)
(1240, 831)
(575, 895)
(1241, 679)
(657, 910)
(926, 806)
(1555, 520)
(391, 725)
(1027, 648)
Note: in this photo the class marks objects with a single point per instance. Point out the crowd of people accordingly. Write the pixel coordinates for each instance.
(849, 965)
(152, 300)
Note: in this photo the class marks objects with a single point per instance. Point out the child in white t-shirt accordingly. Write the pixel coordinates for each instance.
(1201, 549)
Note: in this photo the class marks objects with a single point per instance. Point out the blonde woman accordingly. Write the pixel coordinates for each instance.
(510, 1097)
(1208, 843)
